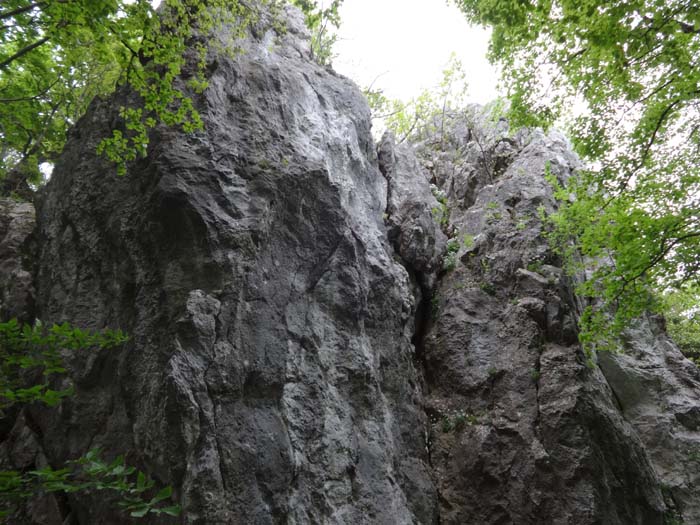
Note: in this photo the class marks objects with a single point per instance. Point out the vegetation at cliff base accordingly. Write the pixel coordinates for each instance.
(632, 69)
(32, 372)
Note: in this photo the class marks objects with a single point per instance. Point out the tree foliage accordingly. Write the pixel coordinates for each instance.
(34, 351)
(632, 68)
(320, 19)
(421, 114)
(683, 320)
(57, 55)
(136, 491)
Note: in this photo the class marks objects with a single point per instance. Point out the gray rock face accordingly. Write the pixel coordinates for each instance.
(522, 431)
(306, 345)
(16, 286)
(658, 391)
(270, 374)
(411, 210)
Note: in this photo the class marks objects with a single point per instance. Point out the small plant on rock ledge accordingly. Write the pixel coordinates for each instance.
(457, 420)
(452, 246)
(441, 215)
(694, 454)
(534, 266)
(434, 307)
(494, 214)
(468, 241)
(488, 288)
(450, 260)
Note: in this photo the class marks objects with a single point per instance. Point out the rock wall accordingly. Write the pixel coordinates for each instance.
(523, 431)
(658, 391)
(306, 344)
(17, 223)
(270, 373)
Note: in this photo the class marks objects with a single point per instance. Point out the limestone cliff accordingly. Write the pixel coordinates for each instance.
(306, 345)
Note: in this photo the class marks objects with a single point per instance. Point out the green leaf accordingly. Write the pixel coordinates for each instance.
(140, 512)
(164, 493)
(175, 510)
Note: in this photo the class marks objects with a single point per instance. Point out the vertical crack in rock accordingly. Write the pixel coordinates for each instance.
(416, 236)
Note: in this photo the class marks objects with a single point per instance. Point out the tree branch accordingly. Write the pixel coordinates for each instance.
(18, 11)
(688, 29)
(664, 250)
(27, 99)
(23, 51)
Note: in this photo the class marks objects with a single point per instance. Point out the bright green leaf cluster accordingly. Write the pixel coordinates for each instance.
(57, 56)
(318, 19)
(631, 67)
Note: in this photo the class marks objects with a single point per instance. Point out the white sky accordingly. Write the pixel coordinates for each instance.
(407, 44)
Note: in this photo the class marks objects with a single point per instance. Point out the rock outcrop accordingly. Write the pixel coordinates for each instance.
(316, 336)
(270, 373)
(658, 391)
(523, 431)
(17, 224)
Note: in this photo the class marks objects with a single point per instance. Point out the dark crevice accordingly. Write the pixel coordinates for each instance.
(422, 322)
(616, 398)
(423, 318)
(537, 371)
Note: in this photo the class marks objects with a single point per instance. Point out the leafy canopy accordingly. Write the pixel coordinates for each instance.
(632, 68)
(57, 55)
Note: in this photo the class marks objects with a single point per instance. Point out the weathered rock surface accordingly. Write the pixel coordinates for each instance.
(411, 210)
(305, 344)
(269, 377)
(522, 430)
(658, 392)
(16, 286)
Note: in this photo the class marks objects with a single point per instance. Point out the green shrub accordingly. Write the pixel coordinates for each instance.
(35, 351)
